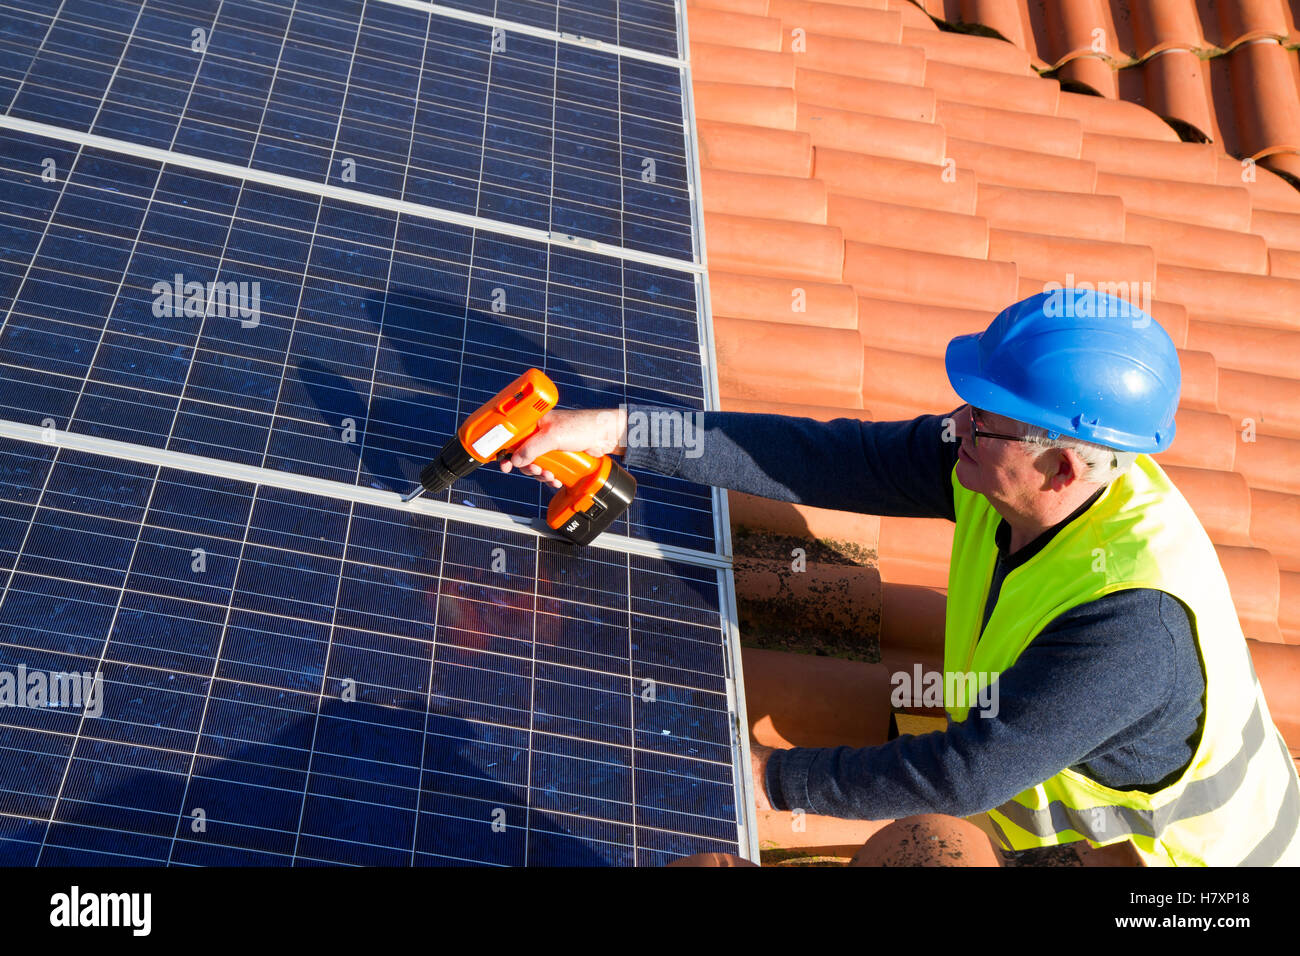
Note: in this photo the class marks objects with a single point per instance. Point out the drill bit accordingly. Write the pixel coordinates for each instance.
(419, 490)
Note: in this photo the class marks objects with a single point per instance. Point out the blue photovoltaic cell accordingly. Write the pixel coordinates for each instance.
(377, 98)
(374, 334)
(334, 683)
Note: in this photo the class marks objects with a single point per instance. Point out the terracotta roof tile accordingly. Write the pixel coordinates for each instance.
(1284, 263)
(1288, 615)
(771, 359)
(754, 8)
(916, 327)
(1267, 461)
(934, 277)
(965, 50)
(1273, 403)
(879, 177)
(907, 227)
(1184, 244)
(1185, 162)
(902, 378)
(1278, 668)
(754, 149)
(968, 84)
(734, 29)
(763, 195)
(1200, 380)
(915, 550)
(1281, 229)
(1228, 69)
(1268, 351)
(1173, 83)
(1117, 118)
(1252, 575)
(1053, 258)
(1093, 72)
(774, 247)
(1205, 440)
(1162, 26)
(715, 63)
(772, 299)
(1221, 499)
(1058, 135)
(875, 61)
(855, 93)
(1275, 526)
(917, 142)
(879, 186)
(1254, 300)
(1010, 166)
(745, 104)
(1223, 207)
(858, 23)
(1074, 214)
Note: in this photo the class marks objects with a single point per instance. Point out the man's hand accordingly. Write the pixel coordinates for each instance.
(758, 755)
(594, 431)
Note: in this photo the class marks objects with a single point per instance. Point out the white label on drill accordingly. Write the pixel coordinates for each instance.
(487, 446)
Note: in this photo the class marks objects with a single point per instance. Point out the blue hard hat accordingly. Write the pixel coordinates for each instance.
(1079, 363)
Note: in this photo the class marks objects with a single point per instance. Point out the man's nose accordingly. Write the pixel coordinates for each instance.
(962, 422)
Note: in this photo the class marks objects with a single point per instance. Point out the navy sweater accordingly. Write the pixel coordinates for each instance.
(1112, 688)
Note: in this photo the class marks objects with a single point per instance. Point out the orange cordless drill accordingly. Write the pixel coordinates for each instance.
(596, 490)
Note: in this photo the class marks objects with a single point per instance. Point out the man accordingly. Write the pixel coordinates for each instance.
(1082, 591)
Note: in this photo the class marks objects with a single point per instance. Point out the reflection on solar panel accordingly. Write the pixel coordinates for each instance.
(258, 260)
(476, 695)
(362, 323)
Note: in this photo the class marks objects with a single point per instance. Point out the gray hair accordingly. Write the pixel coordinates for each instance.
(1102, 464)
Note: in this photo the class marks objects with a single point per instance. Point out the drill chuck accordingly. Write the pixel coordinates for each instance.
(452, 464)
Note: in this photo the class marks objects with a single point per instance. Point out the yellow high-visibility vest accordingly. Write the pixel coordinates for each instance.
(1238, 801)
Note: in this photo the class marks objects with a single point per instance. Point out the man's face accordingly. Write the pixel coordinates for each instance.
(1002, 471)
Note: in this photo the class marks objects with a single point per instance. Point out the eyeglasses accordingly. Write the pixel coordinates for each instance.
(976, 433)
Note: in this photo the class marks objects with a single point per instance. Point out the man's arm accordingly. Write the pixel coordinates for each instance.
(1071, 695)
(886, 468)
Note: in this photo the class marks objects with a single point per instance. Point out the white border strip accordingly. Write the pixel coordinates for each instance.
(452, 13)
(746, 814)
(307, 484)
(326, 191)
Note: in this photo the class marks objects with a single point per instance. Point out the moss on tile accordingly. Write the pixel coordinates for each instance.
(773, 855)
(752, 543)
(821, 620)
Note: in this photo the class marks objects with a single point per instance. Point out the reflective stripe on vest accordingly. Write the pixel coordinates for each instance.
(1104, 823)
(1237, 800)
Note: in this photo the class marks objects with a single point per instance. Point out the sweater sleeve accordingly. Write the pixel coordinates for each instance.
(1070, 696)
(900, 468)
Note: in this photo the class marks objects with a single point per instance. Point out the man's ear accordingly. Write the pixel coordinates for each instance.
(1070, 468)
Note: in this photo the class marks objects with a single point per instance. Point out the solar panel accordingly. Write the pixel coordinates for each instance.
(197, 505)
(344, 683)
(363, 359)
(380, 99)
